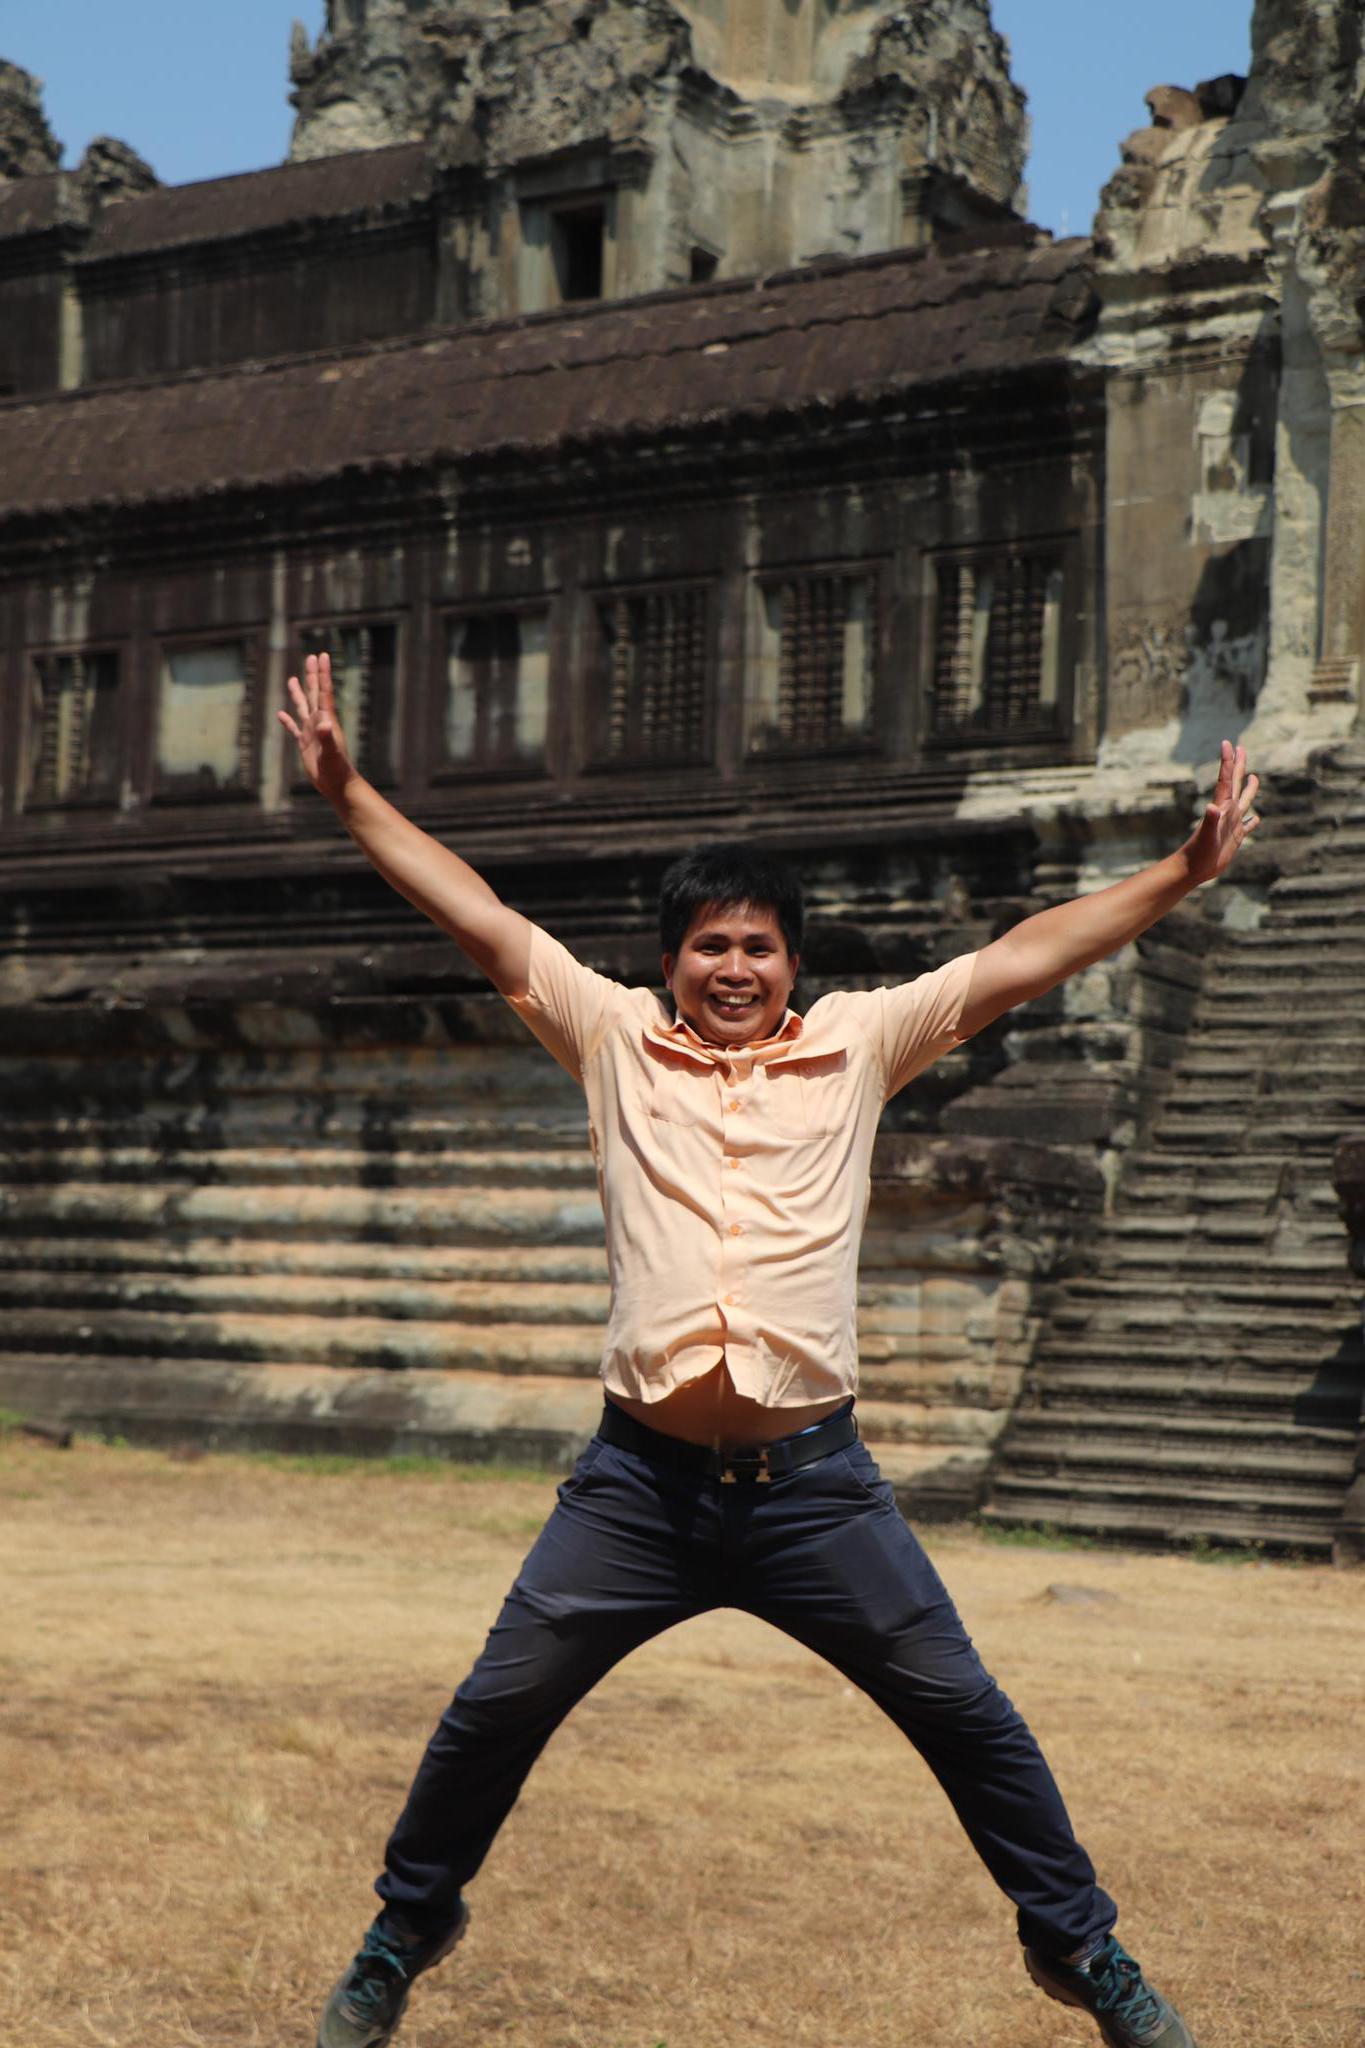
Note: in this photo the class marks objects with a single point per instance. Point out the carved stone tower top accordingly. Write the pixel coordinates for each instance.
(27, 144)
(616, 146)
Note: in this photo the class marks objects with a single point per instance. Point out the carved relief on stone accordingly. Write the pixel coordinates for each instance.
(1164, 667)
(1222, 669)
(1147, 667)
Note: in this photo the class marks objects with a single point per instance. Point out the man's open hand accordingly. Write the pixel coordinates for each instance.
(316, 728)
(1229, 819)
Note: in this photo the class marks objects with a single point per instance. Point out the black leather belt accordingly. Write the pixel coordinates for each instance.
(759, 1463)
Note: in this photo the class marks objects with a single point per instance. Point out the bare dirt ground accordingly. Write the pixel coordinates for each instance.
(217, 1677)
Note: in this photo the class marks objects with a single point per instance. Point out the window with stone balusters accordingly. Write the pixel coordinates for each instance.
(364, 657)
(73, 727)
(654, 675)
(996, 644)
(496, 711)
(207, 715)
(812, 666)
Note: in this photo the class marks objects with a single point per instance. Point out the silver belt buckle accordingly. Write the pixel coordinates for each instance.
(756, 1469)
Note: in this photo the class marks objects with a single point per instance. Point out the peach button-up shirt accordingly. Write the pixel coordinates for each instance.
(735, 1181)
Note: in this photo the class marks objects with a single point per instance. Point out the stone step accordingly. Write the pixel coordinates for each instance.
(1132, 1518)
(1201, 1181)
(1312, 1128)
(885, 1310)
(1299, 929)
(1202, 1300)
(1255, 1382)
(1308, 1489)
(1259, 987)
(1241, 1079)
(1275, 952)
(310, 1258)
(1341, 881)
(1328, 1458)
(299, 1339)
(133, 1165)
(514, 1300)
(465, 1215)
(1245, 1492)
(1319, 1234)
(1232, 1072)
(270, 1124)
(1343, 840)
(1250, 1257)
(1083, 1430)
(296, 1081)
(528, 1417)
(1290, 1096)
(1251, 1016)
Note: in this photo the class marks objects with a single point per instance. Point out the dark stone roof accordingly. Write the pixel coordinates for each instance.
(218, 209)
(30, 206)
(362, 181)
(696, 359)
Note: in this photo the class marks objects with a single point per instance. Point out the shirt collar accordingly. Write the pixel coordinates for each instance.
(679, 1037)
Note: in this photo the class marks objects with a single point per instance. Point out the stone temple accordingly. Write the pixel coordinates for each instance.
(666, 414)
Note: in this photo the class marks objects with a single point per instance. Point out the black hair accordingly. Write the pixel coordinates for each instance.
(726, 875)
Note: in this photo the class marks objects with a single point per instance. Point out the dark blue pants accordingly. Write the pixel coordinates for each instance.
(824, 1554)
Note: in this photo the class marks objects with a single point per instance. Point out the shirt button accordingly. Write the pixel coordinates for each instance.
(730, 1300)
(736, 1230)
(733, 1164)
(732, 1105)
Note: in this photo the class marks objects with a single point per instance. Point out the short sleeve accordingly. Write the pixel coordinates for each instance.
(915, 1023)
(566, 1004)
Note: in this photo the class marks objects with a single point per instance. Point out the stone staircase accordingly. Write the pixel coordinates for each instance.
(307, 1245)
(373, 1226)
(1201, 1368)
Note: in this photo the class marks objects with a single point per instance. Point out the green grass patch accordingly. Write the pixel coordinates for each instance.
(398, 1465)
(1037, 1536)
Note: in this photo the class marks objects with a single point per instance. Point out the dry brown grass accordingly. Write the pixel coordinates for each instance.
(219, 1675)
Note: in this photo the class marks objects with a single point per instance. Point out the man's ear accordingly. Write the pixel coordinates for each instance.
(668, 963)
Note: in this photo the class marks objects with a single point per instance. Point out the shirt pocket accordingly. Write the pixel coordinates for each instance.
(808, 1098)
(681, 1094)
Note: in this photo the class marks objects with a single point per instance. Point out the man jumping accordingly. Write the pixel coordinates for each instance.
(733, 1142)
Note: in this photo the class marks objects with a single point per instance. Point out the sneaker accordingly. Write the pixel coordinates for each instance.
(368, 1998)
(1110, 1986)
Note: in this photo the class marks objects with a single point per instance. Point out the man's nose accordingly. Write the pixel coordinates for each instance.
(734, 966)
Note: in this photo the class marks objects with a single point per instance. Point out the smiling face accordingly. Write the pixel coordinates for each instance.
(732, 976)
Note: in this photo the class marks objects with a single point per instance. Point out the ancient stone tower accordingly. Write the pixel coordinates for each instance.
(603, 148)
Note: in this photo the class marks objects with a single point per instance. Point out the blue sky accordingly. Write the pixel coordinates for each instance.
(201, 89)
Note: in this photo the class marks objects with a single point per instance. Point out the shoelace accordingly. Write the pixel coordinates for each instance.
(377, 1963)
(1123, 1990)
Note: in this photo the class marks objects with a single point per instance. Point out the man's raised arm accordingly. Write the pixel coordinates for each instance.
(434, 880)
(1045, 949)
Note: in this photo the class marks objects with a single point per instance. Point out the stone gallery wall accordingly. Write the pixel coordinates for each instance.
(672, 430)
